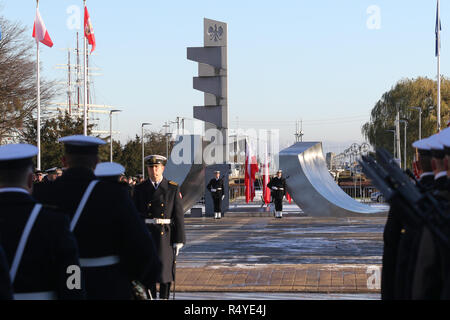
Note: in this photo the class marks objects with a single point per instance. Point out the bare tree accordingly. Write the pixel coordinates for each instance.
(18, 88)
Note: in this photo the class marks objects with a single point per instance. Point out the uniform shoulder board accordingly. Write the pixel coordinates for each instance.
(173, 183)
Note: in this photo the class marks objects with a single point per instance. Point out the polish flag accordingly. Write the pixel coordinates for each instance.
(251, 167)
(89, 29)
(40, 32)
(265, 173)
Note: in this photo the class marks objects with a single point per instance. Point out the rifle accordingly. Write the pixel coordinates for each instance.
(415, 207)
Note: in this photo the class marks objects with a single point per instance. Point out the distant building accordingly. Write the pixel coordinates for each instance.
(330, 160)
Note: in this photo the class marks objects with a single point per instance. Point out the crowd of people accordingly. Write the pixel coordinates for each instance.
(80, 233)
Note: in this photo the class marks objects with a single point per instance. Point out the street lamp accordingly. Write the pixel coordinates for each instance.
(110, 134)
(420, 120)
(143, 153)
(393, 131)
(405, 121)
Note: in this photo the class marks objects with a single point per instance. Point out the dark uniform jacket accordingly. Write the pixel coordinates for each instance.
(218, 185)
(109, 226)
(279, 183)
(431, 276)
(162, 203)
(408, 247)
(51, 248)
(6, 292)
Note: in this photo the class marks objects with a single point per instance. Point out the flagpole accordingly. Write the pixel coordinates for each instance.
(38, 103)
(438, 67)
(85, 73)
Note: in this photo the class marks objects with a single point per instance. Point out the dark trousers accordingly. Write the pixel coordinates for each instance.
(217, 204)
(278, 204)
(164, 290)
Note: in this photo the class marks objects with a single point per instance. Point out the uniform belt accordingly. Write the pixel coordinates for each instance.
(158, 221)
(99, 262)
(47, 295)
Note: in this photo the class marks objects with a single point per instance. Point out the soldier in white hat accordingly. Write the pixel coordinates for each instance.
(109, 171)
(39, 246)
(431, 278)
(215, 186)
(277, 185)
(402, 238)
(159, 202)
(115, 246)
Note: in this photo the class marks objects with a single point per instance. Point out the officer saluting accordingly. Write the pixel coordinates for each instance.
(38, 244)
(115, 247)
(278, 191)
(215, 186)
(159, 202)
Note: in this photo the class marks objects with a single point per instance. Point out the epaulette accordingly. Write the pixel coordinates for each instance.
(173, 183)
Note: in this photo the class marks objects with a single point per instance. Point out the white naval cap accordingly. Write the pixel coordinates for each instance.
(80, 144)
(444, 137)
(52, 170)
(434, 142)
(109, 169)
(17, 155)
(422, 144)
(155, 159)
(437, 148)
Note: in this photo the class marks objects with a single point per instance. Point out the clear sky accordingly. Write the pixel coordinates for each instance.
(326, 62)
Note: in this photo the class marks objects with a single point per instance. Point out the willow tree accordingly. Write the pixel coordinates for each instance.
(407, 93)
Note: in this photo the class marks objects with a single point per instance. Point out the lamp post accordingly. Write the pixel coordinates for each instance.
(405, 121)
(110, 134)
(143, 153)
(420, 120)
(166, 125)
(394, 132)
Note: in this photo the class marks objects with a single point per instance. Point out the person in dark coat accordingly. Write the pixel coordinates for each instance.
(277, 186)
(40, 249)
(216, 188)
(6, 292)
(115, 246)
(431, 270)
(159, 202)
(410, 233)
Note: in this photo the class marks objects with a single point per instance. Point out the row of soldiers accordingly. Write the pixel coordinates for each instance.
(415, 262)
(81, 237)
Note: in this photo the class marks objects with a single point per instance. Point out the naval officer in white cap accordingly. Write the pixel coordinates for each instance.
(215, 186)
(277, 186)
(159, 202)
(110, 171)
(37, 241)
(115, 246)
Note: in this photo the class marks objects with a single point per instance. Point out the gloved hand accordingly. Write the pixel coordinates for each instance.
(177, 247)
(213, 190)
(223, 197)
(274, 188)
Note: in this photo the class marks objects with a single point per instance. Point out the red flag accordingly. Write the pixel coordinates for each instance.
(40, 32)
(89, 30)
(288, 197)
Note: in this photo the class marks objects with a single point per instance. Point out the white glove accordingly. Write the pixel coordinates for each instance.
(177, 247)
(213, 190)
(274, 188)
(223, 197)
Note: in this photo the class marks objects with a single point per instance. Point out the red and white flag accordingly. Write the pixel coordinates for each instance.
(266, 178)
(251, 167)
(40, 32)
(89, 29)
